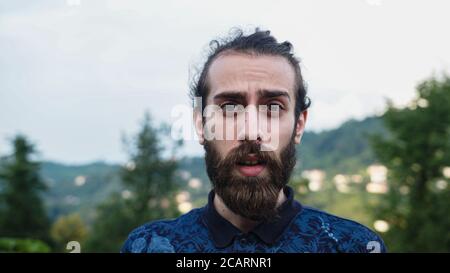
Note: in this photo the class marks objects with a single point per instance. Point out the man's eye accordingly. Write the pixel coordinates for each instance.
(228, 106)
(274, 106)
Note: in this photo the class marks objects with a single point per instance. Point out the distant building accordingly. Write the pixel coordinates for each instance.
(316, 179)
(182, 198)
(341, 182)
(356, 178)
(185, 175)
(195, 183)
(446, 172)
(79, 180)
(378, 179)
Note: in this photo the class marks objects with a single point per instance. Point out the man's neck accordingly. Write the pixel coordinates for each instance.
(243, 224)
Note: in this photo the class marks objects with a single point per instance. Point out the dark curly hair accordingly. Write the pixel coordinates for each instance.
(260, 42)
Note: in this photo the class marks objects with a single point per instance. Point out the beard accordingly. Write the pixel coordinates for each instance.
(252, 197)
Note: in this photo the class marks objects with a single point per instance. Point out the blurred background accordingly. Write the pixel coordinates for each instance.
(87, 89)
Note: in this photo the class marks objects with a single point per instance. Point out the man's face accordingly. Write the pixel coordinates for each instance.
(245, 177)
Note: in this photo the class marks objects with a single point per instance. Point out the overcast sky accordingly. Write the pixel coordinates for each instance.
(75, 74)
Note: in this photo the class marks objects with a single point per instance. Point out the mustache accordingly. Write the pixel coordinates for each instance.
(240, 153)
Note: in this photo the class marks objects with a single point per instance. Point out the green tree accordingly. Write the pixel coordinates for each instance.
(14, 245)
(148, 186)
(416, 153)
(22, 212)
(68, 228)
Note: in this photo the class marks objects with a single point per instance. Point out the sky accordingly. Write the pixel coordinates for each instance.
(76, 75)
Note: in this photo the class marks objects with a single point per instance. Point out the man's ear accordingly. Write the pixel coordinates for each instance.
(198, 123)
(300, 128)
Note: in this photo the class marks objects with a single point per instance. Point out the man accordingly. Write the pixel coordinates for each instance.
(251, 208)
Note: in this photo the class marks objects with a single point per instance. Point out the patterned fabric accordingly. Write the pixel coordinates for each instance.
(298, 229)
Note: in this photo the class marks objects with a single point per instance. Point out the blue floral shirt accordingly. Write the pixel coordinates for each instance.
(298, 229)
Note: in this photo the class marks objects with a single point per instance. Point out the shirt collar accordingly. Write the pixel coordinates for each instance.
(223, 232)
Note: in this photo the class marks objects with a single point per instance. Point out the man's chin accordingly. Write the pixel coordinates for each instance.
(251, 198)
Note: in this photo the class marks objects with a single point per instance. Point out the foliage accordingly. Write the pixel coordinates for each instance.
(68, 228)
(23, 246)
(22, 212)
(149, 184)
(416, 154)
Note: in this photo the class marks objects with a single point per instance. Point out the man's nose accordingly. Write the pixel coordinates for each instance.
(251, 131)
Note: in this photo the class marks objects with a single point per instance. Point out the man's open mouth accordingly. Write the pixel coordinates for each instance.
(251, 166)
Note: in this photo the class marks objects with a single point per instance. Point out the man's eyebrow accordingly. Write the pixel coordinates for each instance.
(263, 93)
(230, 95)
(273, 93)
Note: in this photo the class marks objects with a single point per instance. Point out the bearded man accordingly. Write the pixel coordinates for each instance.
(250, 115)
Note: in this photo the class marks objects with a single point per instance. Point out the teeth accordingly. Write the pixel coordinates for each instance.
(250, 162)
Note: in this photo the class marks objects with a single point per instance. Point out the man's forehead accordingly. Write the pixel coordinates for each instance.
(250, 73)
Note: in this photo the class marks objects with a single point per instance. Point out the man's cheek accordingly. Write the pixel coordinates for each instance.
(214, 123)
(224, 149)
(271, 131)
